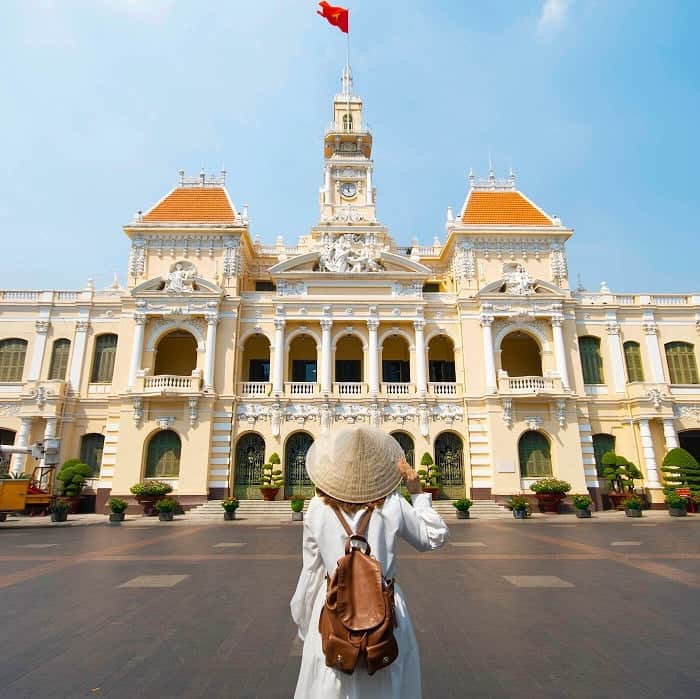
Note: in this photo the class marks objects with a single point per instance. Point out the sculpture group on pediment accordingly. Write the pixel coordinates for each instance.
(517, 279)
(349, 253)
(180, 279)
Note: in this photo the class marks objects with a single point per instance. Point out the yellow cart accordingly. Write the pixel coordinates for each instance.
(13, 496)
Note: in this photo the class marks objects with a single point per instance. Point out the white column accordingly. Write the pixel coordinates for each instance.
(373, 352)
(421, 385)
(78, 356)
(370, 193)
(278, 368)
(49, 432)
(326, 325)
(653, 352)
(490, 364)
(22, 441)
(670, 436)
(41, 330)
(560, 352)
(212, 322)
(616, 355)
(137, 348)
(652, 474)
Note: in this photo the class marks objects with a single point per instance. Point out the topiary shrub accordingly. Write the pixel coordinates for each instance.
(619, 472)
(72, 477)
(271, 477)
(296, 502)
(274, 458)
(681, 470)
(426, 459)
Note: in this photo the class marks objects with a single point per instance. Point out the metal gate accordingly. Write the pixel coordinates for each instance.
(406, 443)
(296, 478)
(250, 457)
(448, 458)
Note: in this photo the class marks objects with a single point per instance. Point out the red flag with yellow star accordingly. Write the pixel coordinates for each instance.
(337, 16)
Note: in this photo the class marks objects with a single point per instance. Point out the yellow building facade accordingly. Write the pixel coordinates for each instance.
(221, 351)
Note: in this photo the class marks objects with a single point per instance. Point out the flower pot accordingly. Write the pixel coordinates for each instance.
(116, 517)
(59, 516)
(677, 511)
(520, 514)
(433, 491)
(165, 516)
(583, 514)
(269, 494)
(633, 513)
(229, 516)
(149, 504)
(617, 500)
(297, 516)
(549, 502)
(462, 514)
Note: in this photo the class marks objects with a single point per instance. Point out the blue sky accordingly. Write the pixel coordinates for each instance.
(594, 103)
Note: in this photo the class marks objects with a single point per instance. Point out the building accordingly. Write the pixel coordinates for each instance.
(221, 350)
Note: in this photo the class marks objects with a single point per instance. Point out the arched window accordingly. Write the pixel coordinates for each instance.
(535, 456)
(347, 122)
(633, 361)
(163, 460)
(591, 361)
(59, 360)
(448, 459)
(176, 354)
(602, 443)
(91, 446)
(682, 367)
(12, 354)
(406, 443)
(103, 362)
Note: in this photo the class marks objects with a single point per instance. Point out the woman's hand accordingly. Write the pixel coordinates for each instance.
(410, 478)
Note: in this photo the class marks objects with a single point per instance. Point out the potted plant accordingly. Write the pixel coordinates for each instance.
(117, 508)
(582, 504)
(462, 506)
(297, 504)
(633, 506)
(549, 493)
(166, 509)
(519, 506)
(149, 492)
(72, 477)
(59, 511)
(676, 505)
(429, 476)
(682, 470)
(230, 506)
(620, 474)
(271, 479)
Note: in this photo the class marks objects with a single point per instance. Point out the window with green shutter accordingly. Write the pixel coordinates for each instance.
(591, 360)
(12, 354)
(602, 443)
(633, 361)
(682, 367)
(103, 362)
(535, 456)
(91, 446)
(59, 360)
(163, 460)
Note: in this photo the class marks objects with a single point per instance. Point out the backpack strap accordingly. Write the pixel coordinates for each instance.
(362, 526)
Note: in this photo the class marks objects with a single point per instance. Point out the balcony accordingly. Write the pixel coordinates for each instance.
(350, 388)
(301, 388)
(397, 389)
(528, 385)
(169, 384)
(444, 388)
(258, 389)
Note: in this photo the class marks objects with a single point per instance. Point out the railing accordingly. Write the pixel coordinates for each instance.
(20, 295)
(396, 389)
(587, 297)
(624, 299)
(668, 300)
(349, 388)
(167, 383)
(442, 388)
(254, 388)
(301, 388)
(359, 128)
(528, 384)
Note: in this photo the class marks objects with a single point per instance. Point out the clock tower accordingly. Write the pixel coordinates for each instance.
(347, 195)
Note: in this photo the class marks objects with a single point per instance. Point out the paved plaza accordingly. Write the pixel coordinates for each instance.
(552, 607)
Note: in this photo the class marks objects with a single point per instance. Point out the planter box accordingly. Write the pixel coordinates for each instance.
(462, 515)
(435, 492)
(116, 517)
(149, 504)
(297, 516)
(229, 516)
(165, 516)
(269, 494)
(549, 502)
(633, 513)
(583, 514)
(677, 511)
(59, 516)
(520, 514)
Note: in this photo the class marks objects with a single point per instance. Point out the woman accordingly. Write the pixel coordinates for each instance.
(352, 469)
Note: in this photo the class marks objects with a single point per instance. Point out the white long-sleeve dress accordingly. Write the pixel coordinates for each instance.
(324, 544)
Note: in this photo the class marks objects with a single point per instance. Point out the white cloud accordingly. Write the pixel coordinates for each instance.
(553, 13)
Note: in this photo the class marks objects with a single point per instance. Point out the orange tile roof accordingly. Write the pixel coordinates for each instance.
(193, 205)
(508, 208)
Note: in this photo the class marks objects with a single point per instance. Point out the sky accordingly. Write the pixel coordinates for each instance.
(594, 103)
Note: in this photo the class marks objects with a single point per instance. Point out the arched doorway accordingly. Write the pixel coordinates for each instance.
(348, 364)
(163, 456)
(406, 443)
(520, 355)
(441, 360)
(176, 354)
(250, 457)
(7, 437)
(296, 477)
(256, 359)
(396, 364)
(449, 457)
(690, 441)
(534, 455)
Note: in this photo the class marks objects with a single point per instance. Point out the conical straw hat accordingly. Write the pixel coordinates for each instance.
(355, 464)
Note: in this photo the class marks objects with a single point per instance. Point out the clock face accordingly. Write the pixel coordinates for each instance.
(348, 189)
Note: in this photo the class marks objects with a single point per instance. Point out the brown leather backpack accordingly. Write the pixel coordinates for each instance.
(358, 619)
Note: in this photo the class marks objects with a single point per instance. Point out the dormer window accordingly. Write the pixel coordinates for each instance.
(347, 122)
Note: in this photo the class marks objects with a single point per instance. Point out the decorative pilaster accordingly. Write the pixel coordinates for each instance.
(41, 329)
(278, 368)
(653, 352)
(23, 442)
(137, 348)
(373, 352)
(652, 474)
(616, 355)
(209, 357)
(326, 326)
(670, 436)
(560, 352)
(489, 362)
(78, 355)
(421, 385)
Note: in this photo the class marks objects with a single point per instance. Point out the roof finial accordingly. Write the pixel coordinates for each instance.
(202, 176)
(511, 177)
(492, 177)
(472, 178)
(181, 172)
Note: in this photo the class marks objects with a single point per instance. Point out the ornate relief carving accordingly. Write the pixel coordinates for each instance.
(291, 289)
(193, 412)
(613, 328)
(42, 326)
(413, 289)
(350, 253)
(231, 258)
(650, 328)
(507, 404)
(82, 326)
(165, 422)
(9, 409)
(656, 396)
(534, 422)
(560, 411)
(560, 272)
(181, 278)
(137, 257)
(689, 411)
(138, 411)
(518, 280)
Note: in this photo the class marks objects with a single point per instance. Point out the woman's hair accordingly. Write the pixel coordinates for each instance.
(349, 507)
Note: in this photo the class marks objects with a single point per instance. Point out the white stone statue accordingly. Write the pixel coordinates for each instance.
(346, 254)
(518, 280)
(181, 278)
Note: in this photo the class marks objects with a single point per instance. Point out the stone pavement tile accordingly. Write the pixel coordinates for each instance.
(537, 581)
(155, 581)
